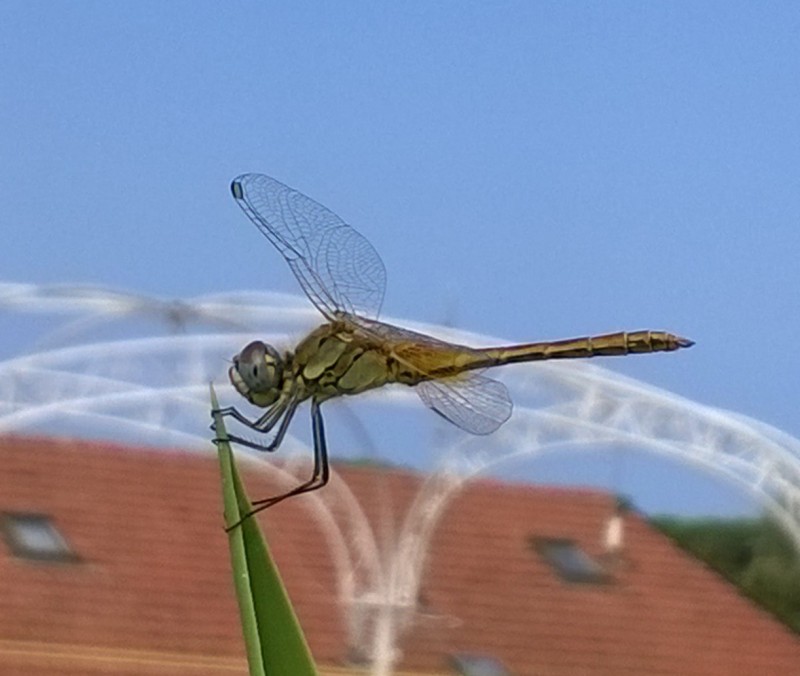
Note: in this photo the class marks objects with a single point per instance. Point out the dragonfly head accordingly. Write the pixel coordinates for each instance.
(257, 373)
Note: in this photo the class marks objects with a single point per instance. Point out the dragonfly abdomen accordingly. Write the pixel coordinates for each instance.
(607, 345)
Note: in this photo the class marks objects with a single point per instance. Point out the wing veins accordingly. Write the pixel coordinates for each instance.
(336, 266)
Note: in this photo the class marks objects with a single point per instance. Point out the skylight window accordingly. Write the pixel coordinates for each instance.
(478, 665)
(570, 561)
(35, 536)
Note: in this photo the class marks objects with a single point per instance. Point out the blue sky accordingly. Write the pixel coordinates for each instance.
(527, 170)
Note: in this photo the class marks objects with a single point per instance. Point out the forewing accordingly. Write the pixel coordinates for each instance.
(474, 402)
(337, 267)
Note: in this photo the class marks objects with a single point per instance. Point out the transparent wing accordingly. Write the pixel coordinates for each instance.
(337, 267)
(398, 334)
(474, 402)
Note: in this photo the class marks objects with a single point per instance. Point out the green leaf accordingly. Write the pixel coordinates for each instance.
(273, 637)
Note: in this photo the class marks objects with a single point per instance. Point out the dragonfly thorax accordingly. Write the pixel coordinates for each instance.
(257, 373)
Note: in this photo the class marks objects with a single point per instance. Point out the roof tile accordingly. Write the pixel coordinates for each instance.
(154, 577)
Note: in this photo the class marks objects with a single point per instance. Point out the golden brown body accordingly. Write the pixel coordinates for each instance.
(342, 358)
(344, 277)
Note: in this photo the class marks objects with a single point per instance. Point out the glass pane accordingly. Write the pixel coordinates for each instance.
(35, 536)
(478, 665)
(571, 562)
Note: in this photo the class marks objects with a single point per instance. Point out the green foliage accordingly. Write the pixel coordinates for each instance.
(754, 554)
(273, 638)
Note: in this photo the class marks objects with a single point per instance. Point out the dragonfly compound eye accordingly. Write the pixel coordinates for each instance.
(257, 370)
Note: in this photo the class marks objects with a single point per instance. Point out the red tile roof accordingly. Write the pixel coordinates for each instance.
(153, 592)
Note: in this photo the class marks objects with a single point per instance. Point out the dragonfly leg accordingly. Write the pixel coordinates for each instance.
(263, 424)
(286, 409)
(319, 477)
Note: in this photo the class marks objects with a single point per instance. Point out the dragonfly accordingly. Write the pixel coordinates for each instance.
(353, 351)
